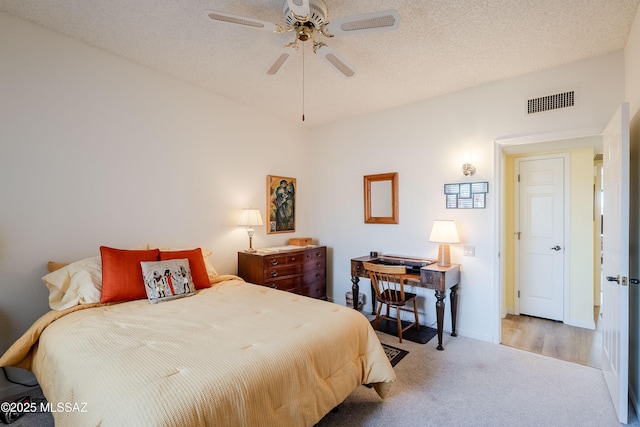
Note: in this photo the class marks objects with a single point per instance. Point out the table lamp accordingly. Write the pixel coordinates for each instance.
(444, 232)
(250, 217)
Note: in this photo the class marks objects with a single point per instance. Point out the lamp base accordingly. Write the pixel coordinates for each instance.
(444, 255)
(250, 233)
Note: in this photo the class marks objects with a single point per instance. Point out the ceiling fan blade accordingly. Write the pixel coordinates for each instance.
(279, 63)
(300, 8)
(384, 20)
(333, 58)
(243, 20)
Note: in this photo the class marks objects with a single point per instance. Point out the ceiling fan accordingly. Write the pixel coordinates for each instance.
(308, 20)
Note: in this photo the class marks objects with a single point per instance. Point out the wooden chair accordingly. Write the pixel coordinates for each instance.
(388, 283)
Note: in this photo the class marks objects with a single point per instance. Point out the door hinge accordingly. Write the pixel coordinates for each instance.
(518, 294)
(518, 177)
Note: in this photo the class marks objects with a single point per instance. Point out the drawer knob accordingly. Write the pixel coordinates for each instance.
(318, 264)
(274, 274)
(274, 262)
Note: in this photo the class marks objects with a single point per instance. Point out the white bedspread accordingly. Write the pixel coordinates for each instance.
(235, 354)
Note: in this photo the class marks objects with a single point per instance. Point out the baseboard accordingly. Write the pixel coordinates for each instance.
(472, 334)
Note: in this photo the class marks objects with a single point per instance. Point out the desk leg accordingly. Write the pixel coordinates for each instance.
(440, 316)
(454, 310)
(373, 301)
(355, 290)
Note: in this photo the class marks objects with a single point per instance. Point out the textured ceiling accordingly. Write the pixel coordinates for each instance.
(441, 46)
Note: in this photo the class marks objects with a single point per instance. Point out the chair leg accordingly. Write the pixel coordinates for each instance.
(399, 322)
(415, 311)
(377, 319)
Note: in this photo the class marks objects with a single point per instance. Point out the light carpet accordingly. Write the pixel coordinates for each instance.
(474, 383)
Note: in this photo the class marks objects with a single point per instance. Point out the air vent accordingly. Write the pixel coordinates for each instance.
(551, 102)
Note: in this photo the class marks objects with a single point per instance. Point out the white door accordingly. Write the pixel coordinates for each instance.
(541, 233)
(615, 289)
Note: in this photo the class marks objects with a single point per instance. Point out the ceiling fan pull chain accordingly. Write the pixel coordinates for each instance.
(303, 82)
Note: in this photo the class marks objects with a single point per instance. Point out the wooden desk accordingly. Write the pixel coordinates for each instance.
(431, 276)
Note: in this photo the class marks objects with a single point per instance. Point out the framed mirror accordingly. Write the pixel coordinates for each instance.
(381, 198)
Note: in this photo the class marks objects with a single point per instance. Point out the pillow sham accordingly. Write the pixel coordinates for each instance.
(167, 280)
(196, 264)
(76, 283)
(122, 274)
(206, 253)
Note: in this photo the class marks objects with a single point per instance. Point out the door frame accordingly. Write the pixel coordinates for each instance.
(499, 145)
(565, 229)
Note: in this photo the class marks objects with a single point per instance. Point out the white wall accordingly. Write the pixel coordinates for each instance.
(96, 150)
(425, 143)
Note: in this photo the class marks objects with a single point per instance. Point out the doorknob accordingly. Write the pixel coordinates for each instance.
(556, 248)
(614, 279)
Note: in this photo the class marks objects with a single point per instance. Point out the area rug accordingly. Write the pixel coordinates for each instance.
(394, 354)
(421, 336)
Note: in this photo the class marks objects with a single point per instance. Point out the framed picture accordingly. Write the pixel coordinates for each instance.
(281, 204)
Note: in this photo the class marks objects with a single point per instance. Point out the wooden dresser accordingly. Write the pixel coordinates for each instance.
(299, 270)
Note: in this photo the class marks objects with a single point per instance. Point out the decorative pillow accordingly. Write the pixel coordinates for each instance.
(76, 283)
(167, 280)
(196, 264)
(122, 274)
(206, 253)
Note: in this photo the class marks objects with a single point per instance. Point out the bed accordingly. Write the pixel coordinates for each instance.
(232, 354)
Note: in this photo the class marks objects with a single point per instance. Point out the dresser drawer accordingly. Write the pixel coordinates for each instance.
(313, 254)
(314, 264)
(312, 276)
(315, 290)
(289, 284)
(283, 270)
(278, 260)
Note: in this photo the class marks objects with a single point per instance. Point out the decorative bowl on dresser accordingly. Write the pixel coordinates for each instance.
(301, 270)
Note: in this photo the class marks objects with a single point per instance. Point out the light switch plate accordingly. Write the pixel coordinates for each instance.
(469, 250)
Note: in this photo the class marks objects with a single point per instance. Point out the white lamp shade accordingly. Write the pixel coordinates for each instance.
(444, 231)
(250, 217)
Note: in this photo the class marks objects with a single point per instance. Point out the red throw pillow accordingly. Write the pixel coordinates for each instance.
(196, 265)
(122, 274)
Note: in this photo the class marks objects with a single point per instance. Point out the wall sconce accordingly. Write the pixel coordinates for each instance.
(444, 232)
(468, 169)
(250, 217)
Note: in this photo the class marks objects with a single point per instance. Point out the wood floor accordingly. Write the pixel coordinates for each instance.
(554, 339)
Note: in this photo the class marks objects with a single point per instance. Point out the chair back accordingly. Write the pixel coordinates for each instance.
(387, 281)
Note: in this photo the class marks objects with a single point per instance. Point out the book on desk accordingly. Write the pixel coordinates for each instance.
(412, 264)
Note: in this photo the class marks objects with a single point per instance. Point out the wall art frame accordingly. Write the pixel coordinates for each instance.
(281, 204)
(466, 195)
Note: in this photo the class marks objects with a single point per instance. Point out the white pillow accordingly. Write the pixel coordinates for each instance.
(167, 280)
(78, 283)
